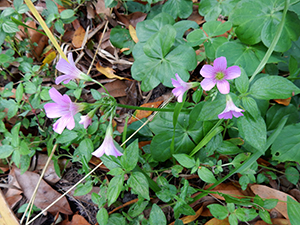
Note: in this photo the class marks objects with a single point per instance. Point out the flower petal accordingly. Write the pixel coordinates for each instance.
(98, 152)
(220, 64)
(207, 84)
(71, 60)
(208, 71)
(60, 125)
(237, 114)
(232, 72)
(55, 95)
(223, 86)
(53, 110)
(225, 115)
(62, 78)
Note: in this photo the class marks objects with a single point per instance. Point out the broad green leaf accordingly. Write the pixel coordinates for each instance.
(286, 146)
(218, 211)
(66, 14)
(83, 189)
(114, 188)
(102, 216)
(15, 142)
(292, 175)
(178, 8)
(185, 135)
(251, 106)
(10, 27)
(157, 217)
(273, 87)
(196, 37)
(5, 151)
(159, 45)
(181, 207)
(116, 218)
(185, 160)
(66, 136)
(276, 113)
(253, 130)
(215, 28)
(206, 175)
(12, 107)
(19, 92)
(228, 148)
(212, 109)
(139, 184)
(211, 9)
(131, 156)
(181, 27)
(121, 38)
(147, 28)
(211, 46)
(137, 208)
(258, 21)
(245, 56)
(84, 149)
(242, 82)
(245, 215)
(293, 210)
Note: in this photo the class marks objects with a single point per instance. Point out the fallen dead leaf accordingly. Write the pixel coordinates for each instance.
(277, 221)
(49, 58)
(215, 221)
(285, 102)
(116, 88)
(188, 219)
(108, 72)
(132, 33)
(100, 8)
(50, 175)
(78, 37)
(228, 189)
(90, 10)
(266, 192)
(45, 194)
(76, 220)
(140, 114)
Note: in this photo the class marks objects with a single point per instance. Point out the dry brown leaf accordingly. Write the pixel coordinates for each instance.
(277, 221)
(76, 220)
(116, 88)
(266, 192)
(215, 221)
(108, 72)
(285, 102)
(140, 114)
(90, 10)
(100, 8)
(7, 217)
(132, 33)
(295, 193)
(45, 194)
(228, 189)
(78, 37)
(188, 219)
(50, 175)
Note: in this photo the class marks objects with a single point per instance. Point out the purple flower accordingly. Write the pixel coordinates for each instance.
(107, 147)
(63, 108)
(70, 71)
(181, 87)
(230, 110)
(218, 74)
(85, 120)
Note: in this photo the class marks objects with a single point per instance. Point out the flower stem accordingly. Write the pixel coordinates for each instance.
(147, 108)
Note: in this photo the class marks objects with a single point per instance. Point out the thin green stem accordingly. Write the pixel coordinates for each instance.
(273, 44)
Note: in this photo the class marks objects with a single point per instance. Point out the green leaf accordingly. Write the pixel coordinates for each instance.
(242, 82)
(185, 135)
(24, 149)
(245, 56)
(66, 136)
(270, 203)
(131, 156)
(84, 149)
(181, 207)
(245, 215)
(258, 21)
(121, 38)
(211, 46)
(253, 130)
(102, 216)
(19, 92)
(147, 28)
(12, 107)
(212, 109)
(251, 106)
(137, 208)
(157, 217)
(273, 87)
(276, 113)
(185, 160)
(83, 189)
(215, 28)
(218, 211)
(196, 37)
(10, 27)
(114, 188)
(15, 142)
(228, 148)
(206, 175)
(5, 151)
(232, 219)
(159, 45)
(139, 184)
(178, 8)
(293, 210)
(292, 175)
(67, 13)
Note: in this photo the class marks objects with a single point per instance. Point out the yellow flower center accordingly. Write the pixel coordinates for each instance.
(219, 75)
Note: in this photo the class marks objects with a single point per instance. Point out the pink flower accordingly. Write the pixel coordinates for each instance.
(63, 108)
(107, 147)
(181, 87)
(230, 110)
(70, 71)
(85, 120)
(218, 74)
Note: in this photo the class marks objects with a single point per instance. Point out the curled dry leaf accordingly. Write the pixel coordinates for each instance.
(228, 189)
(78, 37)
(215, 221)
(45, 194)
(76, 220)
(140, 114)
(108, 72)
(285, 102)
(132, 33)
(266, 192)
(188, 219)
(277, 221)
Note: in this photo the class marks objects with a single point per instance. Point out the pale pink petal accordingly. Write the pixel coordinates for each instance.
(208, 71)
(232, 72)
(237, 114)
(175, 83)
(223, 86)
(70, 121)
(60, 125)
(225, 115)
(98, 152)
(53, 110)
(64, 67)
(55, 95)
(207, 84)
(220, 64)
(85, 120)
(65, 78)
(71, 60)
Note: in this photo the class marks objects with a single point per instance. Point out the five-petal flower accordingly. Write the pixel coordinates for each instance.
(230, 110)
(181, 87)
(71, 72)
(218, 74)
(107, 147)
(64, 108)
